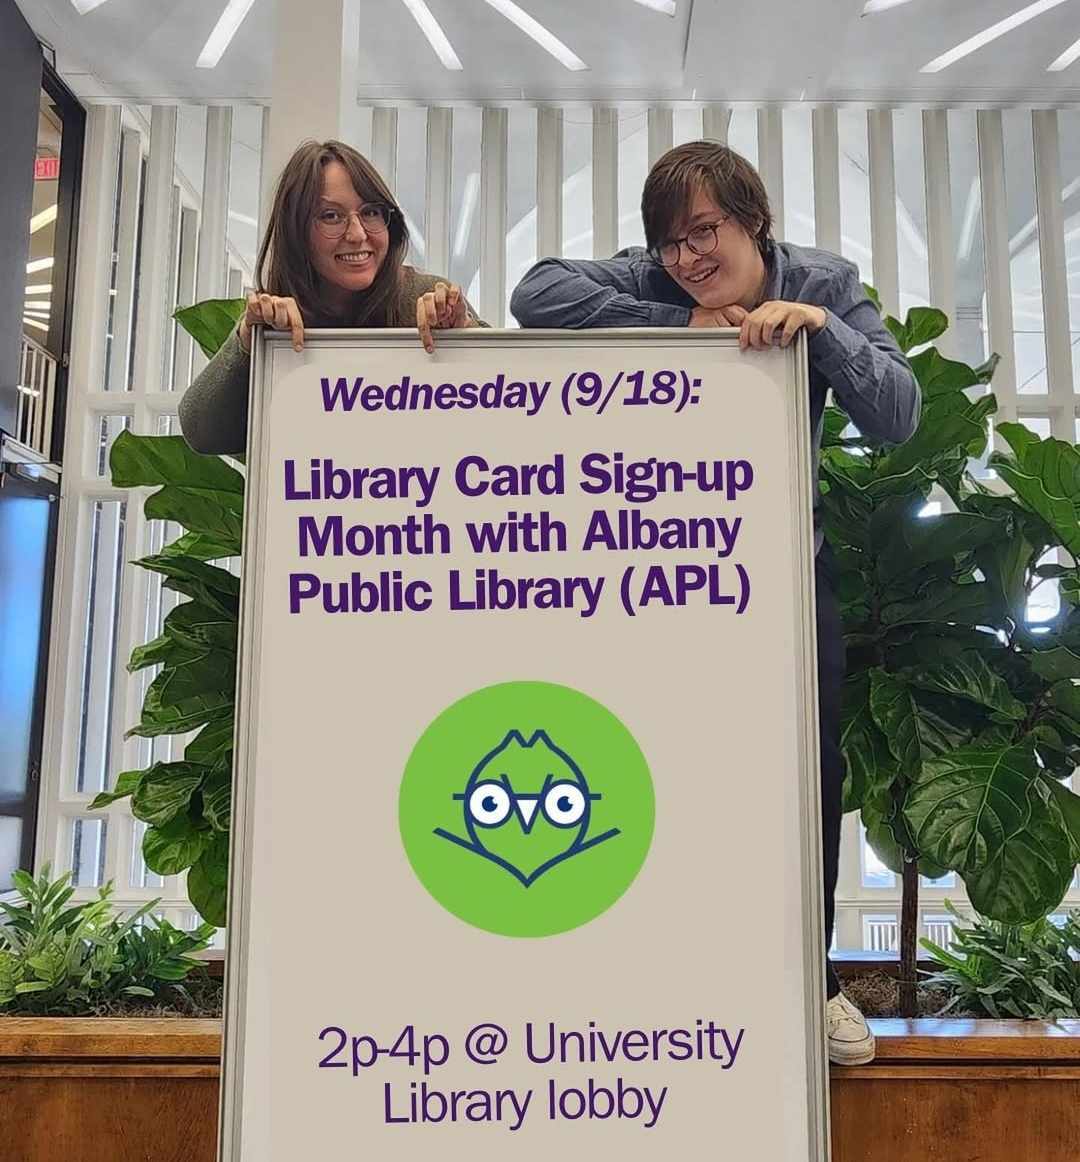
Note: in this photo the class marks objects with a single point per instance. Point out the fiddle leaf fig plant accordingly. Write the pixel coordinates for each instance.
(186, 803)
(961, 716)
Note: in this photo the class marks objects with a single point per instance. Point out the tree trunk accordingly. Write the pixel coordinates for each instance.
(909, 931)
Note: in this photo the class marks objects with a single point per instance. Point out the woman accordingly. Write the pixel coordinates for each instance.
(711, 261)
(333, 256)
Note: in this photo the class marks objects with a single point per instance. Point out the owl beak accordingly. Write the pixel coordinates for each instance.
(527, 811)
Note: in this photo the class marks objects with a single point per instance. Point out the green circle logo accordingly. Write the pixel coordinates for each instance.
(526, 809)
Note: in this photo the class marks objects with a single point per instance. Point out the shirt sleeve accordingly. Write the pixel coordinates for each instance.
(214, 410)
(862, 363)
(563, 292)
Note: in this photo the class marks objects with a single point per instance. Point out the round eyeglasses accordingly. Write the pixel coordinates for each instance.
(375, 217)
(701, 240)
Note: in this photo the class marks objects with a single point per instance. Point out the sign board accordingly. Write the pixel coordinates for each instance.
(525, 836)
(46, 169)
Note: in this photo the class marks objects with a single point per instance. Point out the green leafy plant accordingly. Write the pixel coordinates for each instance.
(186, 804)
(1011, 970)
(60, 958)
(960, 718)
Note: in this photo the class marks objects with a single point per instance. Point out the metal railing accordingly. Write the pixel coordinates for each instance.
(37, 396)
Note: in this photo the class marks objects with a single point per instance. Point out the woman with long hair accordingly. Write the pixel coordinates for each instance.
(333, 256)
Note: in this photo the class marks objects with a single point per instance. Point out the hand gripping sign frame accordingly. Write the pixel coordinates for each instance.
(303, 784)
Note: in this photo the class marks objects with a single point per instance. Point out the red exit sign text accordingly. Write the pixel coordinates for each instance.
(46, 169)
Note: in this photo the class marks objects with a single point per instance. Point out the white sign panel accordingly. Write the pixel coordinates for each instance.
(525, 854)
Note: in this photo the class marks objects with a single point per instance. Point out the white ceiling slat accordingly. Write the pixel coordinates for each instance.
(940, 243)
(826, 149)
(996, 261)
(883, 237)
(770, 131)
(1055, 288)
(661, 133)
(440, 164)
(605, 182)
(493, 155)
(549, 182)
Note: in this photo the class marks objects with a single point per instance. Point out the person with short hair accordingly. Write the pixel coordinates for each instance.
(710, 261)
(333, 256)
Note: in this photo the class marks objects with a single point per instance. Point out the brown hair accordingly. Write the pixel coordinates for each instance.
(734, 184)
(284, 266)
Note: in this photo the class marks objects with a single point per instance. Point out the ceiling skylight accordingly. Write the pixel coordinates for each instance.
(981, 39)
(82, 7)
(38, 221)
(548, 41)
(872, 6)
(1066, 58)
(225, 29)
(667, 7)
(431, 28)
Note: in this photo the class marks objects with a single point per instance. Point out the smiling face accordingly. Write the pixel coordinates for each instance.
(731, 273)
(350, 263)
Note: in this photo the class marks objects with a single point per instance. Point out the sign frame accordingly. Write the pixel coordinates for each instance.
(240, 950)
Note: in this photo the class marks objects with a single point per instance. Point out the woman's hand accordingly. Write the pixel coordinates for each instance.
(717, 316)
(441, 309)
(282, 314)
(777, 323)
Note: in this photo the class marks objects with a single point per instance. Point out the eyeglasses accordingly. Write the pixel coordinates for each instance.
(375, 217)
(562, 803)
(701, 240)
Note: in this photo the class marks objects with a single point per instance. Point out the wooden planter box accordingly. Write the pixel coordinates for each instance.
(97, 1090)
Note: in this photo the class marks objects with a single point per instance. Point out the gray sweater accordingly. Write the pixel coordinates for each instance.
(214, 409)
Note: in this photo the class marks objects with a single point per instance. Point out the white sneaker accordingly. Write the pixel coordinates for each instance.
(850, 1039)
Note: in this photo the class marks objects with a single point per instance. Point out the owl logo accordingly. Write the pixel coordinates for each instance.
(527, 807)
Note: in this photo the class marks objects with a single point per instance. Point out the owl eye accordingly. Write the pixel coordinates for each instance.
(489, 804)
(564, 804)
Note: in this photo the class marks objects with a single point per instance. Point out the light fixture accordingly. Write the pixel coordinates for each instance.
(431, 28)
(981, 39)
(548, 41)
(39, 264)
(43, 219)
(1066, 58)
(82, 7)
(469, 199)
(247, 219)
(28, 322)
(32, 308)
(667, 7)
(225, 29)
(872, 6)
(41, 288)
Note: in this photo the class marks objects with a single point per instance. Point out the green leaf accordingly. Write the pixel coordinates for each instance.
(208, 881)
(127, 783)
(1065, 697)
(940, 376)
(211, 322)
(922, 325)
(1055, 664)
(203, 675)
(217, 798)
(209, 512)
(201, 626)
(886, 831)
(174, 846)
(146, 461)
(970, 604)
(212, 743)
(920, 541)
(202, 547)
(165, 791)
(969, 677)
(872, 295)
(1068, 804)
(870, 766)
(1045, 474)
(190, 714)
(981, 812)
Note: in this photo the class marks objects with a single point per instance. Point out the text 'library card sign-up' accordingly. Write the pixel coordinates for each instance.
(525, 847)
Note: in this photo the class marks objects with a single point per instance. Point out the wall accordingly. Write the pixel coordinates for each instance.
(20, 90)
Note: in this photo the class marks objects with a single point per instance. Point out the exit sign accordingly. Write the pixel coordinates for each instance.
(46, 169)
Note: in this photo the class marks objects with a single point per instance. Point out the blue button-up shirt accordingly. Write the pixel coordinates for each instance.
(854, 353)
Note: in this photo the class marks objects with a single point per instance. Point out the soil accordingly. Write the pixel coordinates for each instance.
(878, 995)
(200, 995)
